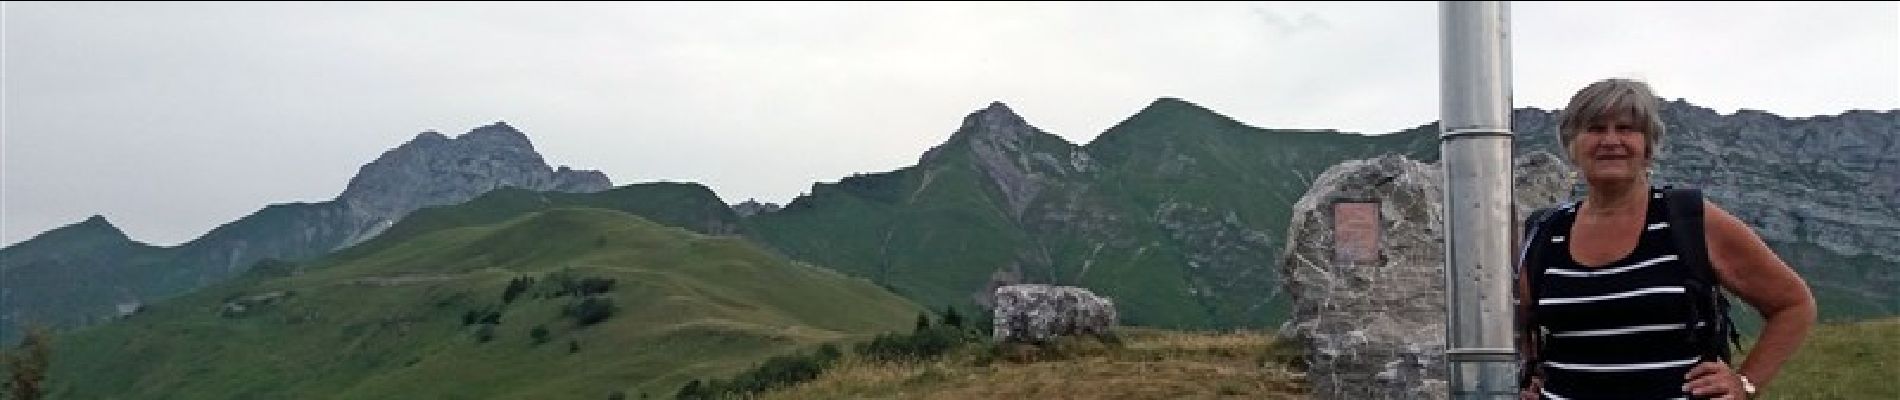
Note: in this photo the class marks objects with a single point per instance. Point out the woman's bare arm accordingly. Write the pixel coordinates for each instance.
(1749, 269)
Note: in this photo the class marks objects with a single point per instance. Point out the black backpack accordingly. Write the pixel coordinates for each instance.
(1711, 329)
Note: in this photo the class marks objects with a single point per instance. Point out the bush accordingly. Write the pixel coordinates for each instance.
(775, 373)
(573, 347)
(516, 286)
(539, 334)
(828, 353)
(469, 318)
(692, 391)
(952, 318)
(591, 310)
(484, 333)
(566, 284)
(928, 343)
(493, 317)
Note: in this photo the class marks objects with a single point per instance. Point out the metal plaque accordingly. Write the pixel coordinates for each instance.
(1356, 232)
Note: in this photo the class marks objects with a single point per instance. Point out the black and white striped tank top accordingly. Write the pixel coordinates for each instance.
(1616, 331)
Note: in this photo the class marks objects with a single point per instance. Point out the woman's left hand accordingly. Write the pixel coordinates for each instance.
(1714, 380)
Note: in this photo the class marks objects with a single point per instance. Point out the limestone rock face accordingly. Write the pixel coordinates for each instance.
(1039, 313)
(1373, 325)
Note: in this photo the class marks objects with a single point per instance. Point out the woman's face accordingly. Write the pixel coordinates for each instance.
(1611, 149)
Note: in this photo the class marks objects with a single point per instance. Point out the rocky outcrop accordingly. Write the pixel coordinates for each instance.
(433, 170)
(751, 207)
(1006, 149)
(1373, 327)
(1040, 313)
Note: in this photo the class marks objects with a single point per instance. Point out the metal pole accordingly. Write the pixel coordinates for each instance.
(1475, 108)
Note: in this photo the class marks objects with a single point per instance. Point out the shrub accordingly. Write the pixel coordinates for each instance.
(515, 287)
(692, 391)
(539, 334)
(566, 284)
(484, 333)
(591, 310)
(775, 373)
(923, 344)
(952, 318)
(828, 353)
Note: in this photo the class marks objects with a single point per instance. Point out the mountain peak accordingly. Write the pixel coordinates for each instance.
(1175, 107)
(995, 123)
(499, 133)
(430, 136)
(91, 230)
(1166, 117)
(434, 170)
(996, 115)
(97, 223)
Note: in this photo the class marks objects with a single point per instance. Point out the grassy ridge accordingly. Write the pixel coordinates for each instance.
(389, 324)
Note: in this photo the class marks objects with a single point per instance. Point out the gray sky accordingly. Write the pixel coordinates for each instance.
(170, 119)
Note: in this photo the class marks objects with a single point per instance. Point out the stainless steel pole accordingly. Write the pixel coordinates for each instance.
(1475, 111)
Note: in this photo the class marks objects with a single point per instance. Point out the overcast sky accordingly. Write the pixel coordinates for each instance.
(170, 119)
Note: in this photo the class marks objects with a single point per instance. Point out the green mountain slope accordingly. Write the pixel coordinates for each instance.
(1174, 213)
(405, 320)
(89, 265)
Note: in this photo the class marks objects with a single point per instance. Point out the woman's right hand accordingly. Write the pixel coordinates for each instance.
(1531, 392)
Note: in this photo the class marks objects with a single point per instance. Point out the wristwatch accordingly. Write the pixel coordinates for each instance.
(1747, 386)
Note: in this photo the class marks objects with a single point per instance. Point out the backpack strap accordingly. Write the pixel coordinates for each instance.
(1529, 331)
(1711, 328)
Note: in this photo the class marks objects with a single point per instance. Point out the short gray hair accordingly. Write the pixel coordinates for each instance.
(1610, 97)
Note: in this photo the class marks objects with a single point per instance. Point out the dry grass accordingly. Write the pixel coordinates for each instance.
(1146, 365)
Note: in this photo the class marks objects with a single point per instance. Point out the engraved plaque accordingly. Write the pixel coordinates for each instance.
(1356, 232)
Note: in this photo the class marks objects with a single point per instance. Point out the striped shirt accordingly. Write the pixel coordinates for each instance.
(1616, 331)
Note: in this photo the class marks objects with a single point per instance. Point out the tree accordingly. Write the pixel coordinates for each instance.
(28, 364)
(952, 318)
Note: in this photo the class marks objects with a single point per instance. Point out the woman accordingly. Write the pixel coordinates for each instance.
(1610, 298)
